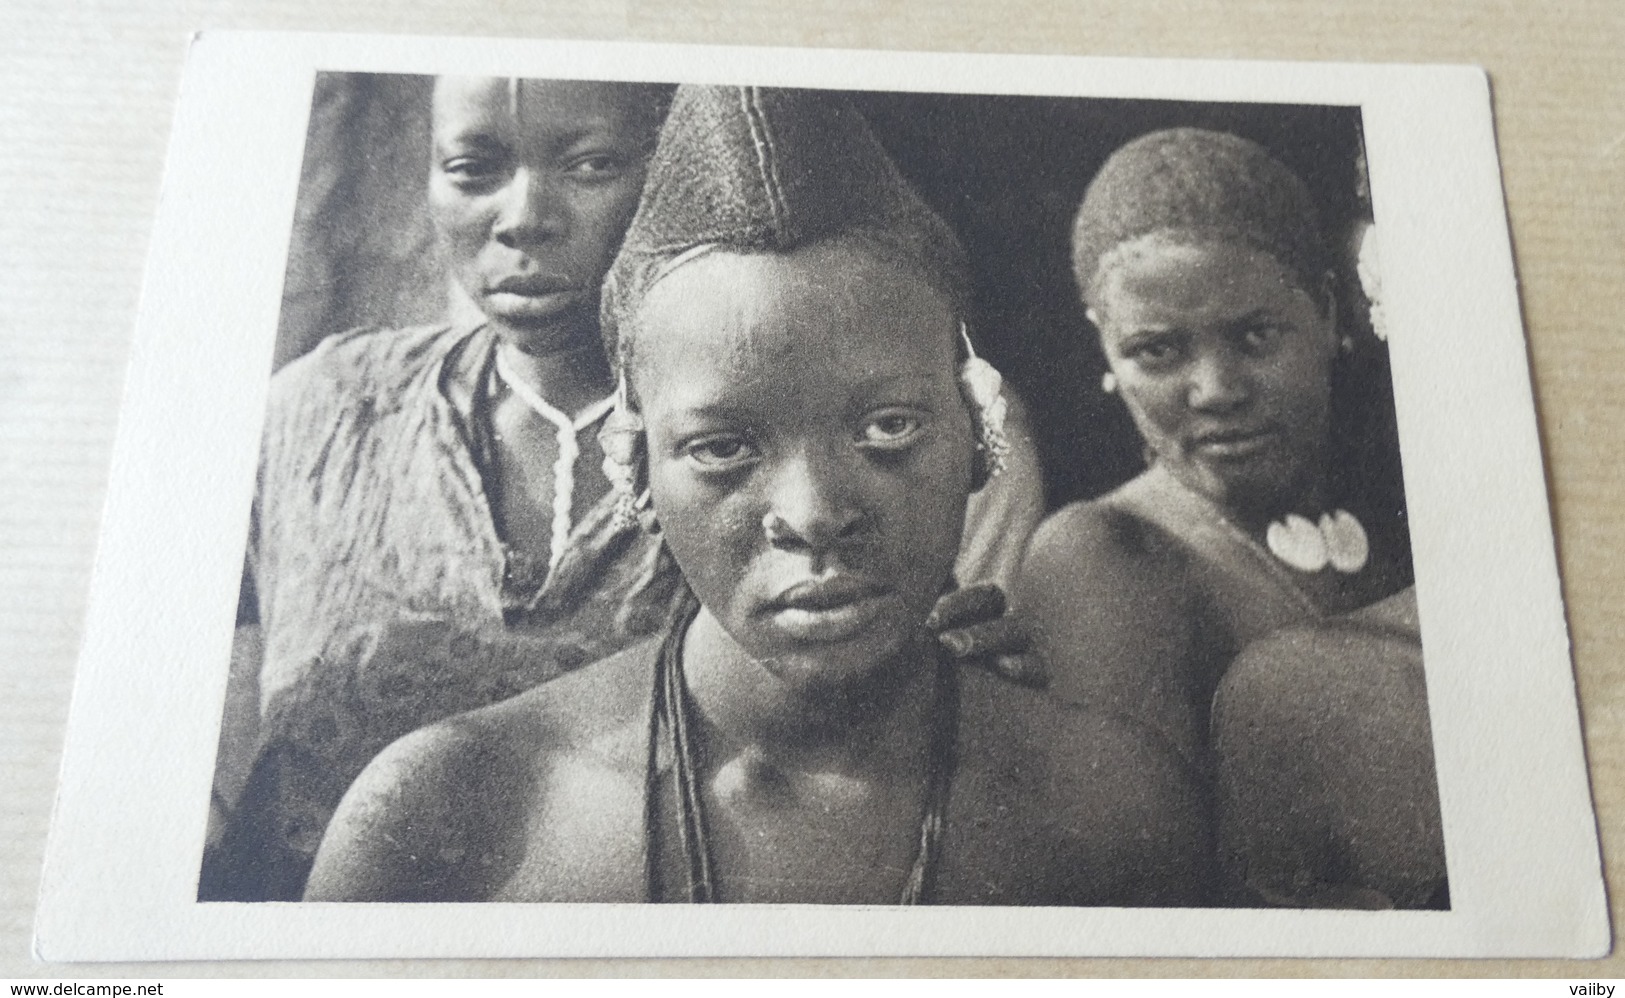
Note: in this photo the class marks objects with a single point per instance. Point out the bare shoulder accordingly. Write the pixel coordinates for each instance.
(1097, 543)
(1117, 800)
(1112, 609)
(1103, 526)
(602, 709)
(441, 813)
(426, 810)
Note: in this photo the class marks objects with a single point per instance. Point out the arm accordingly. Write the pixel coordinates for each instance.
(1160, 830)
(1136, 826)
(1104, 601)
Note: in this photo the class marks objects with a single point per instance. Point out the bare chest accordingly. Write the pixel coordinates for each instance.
(604, 834)
(801, 837)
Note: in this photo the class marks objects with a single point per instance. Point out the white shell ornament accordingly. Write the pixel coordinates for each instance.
(1297, 542)
(1347, 546)
(983, 388)
(621, 439)
(1337, 540)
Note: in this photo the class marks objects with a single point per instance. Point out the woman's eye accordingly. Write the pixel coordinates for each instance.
(1262, 337)
(1157, 353)
(597, 166)
(721, 451)
(891, 429)
(472, 170)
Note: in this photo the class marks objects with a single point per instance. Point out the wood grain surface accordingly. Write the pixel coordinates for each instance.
(90, 90)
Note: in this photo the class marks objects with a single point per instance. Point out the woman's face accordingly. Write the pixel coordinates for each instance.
(809, 451)
(532, 186)
(1224, 361)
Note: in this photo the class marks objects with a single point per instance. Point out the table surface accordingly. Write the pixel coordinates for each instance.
(91, 89)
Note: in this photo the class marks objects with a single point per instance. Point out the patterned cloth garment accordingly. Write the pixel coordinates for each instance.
(386, 597)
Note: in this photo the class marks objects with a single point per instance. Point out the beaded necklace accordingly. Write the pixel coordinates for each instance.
(565, 432)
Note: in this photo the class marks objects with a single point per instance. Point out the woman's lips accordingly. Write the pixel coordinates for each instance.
(1233, 444)
(535, 295)
(533, 284)
(827, 610)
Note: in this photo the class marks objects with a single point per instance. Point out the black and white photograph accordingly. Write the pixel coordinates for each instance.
(1101, 370)
(751, 485)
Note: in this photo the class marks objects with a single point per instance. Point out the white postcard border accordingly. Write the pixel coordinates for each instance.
(121, 872)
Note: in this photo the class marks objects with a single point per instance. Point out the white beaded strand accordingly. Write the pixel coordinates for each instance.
(565, 432)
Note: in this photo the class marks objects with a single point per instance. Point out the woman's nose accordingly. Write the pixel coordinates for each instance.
(1217, 382)
(531, 210)
(812, 507)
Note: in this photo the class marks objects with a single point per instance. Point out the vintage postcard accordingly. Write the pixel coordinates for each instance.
(586, 499)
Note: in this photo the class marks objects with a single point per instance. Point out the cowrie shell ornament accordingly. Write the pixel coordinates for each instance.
(983, 387)
(1337, 540)
(1347, 546)
(621, 438)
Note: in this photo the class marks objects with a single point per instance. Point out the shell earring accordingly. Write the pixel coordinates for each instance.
(622, 440)
(1108, 383)
(983, 389)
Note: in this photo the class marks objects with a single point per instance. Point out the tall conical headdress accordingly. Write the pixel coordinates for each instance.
(763, 169)
(754, 169)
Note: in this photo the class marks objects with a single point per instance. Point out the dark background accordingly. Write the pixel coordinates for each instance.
(1006, 172)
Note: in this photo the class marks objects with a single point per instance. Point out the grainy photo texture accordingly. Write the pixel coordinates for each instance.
(739, 494)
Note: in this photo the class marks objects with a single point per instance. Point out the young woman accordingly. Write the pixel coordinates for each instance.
(1201, 263)
(802, 408)
(431, 531)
